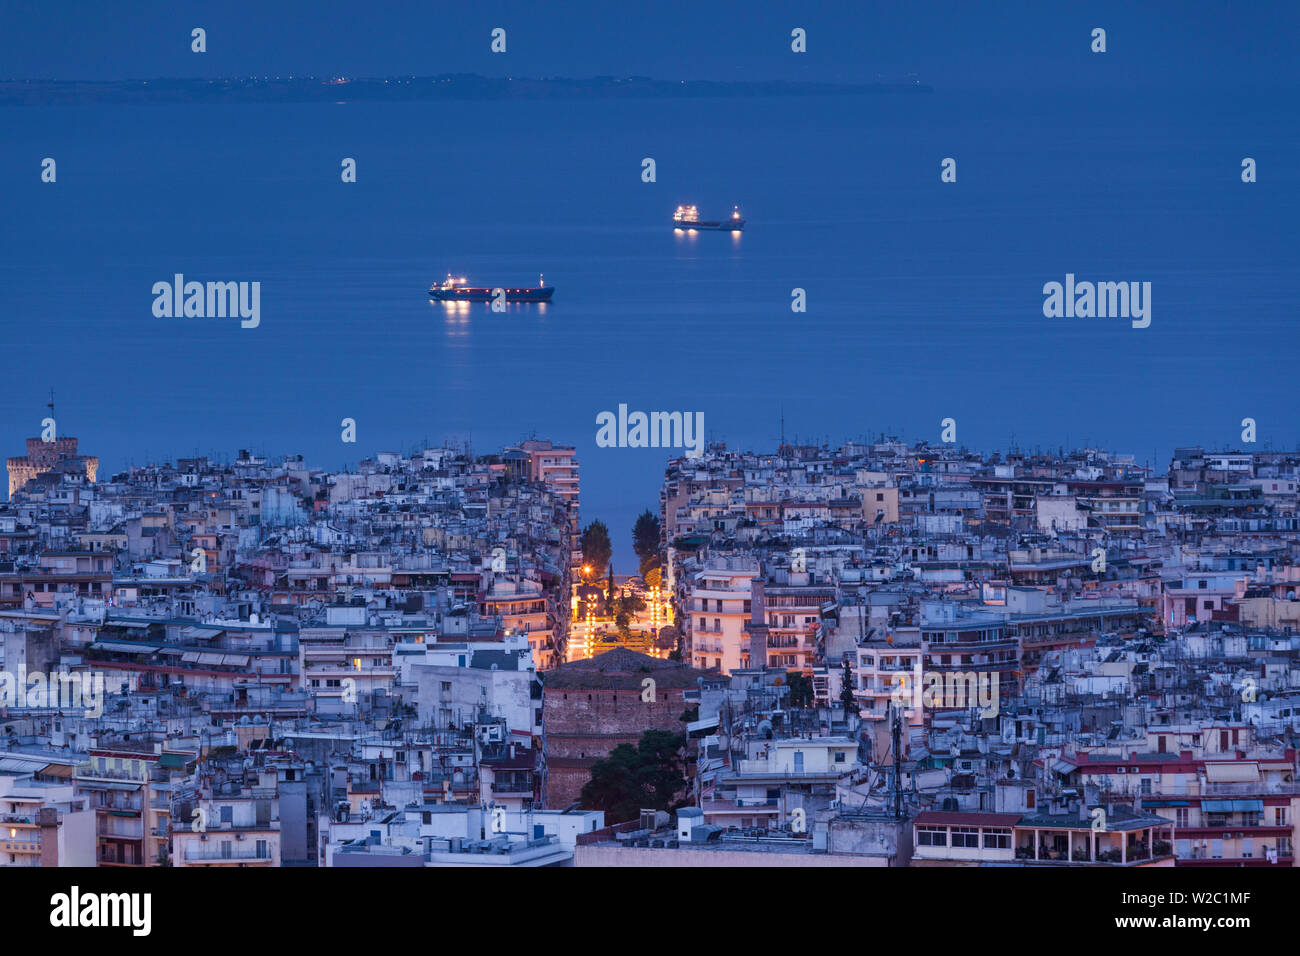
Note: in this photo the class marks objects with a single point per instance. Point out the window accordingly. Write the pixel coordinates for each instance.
(1279, 816)
(997, 839)
(931, 836)
(966, 836)
(1180, 816)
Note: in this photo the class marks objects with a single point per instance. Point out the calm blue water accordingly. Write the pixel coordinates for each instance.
(924, 299)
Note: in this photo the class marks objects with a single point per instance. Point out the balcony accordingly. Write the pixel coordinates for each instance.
(1247, 789)
(512, 790)
(120, 856)
(119, 829)
(90, 771)
(21, 845)
(233, 855)
(116, 806)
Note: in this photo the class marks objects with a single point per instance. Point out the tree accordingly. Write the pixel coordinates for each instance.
(648, 776)
(846, 692)
(645, 539)
(596, 549)
(801, 689)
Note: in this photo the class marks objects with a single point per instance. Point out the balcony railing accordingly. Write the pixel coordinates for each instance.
(90, 770)
(195, 855)
(21, 846)
(1247, 789)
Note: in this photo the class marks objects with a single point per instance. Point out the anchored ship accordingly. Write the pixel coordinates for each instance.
(458, 290)
(688, 218)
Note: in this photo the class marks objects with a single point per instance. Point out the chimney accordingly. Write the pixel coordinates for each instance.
(757, 625)
(47, 818)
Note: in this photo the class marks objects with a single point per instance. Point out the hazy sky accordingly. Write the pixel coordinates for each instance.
(954, 44)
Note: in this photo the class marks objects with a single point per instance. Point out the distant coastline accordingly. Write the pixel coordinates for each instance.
(447, 86)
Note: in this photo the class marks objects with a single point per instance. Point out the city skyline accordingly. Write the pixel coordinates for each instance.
(483, 436)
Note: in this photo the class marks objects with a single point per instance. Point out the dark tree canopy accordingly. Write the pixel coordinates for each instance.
(801, 689)
(846, 692)
(596, 549)
(648, 776)
(645, 539)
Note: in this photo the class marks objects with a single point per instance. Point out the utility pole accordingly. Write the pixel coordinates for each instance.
(897, 733)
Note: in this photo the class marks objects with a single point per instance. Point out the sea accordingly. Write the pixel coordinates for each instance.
(923, 298)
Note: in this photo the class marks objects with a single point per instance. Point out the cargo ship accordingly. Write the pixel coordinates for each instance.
(688, 217)
(457, 290)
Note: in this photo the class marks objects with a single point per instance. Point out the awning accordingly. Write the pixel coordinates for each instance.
(59, 770)
(123, 648)
(85, 784)
(1245, 771)
(20, 764)
(200, 633)
(1165, 803)
(1232, 806)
